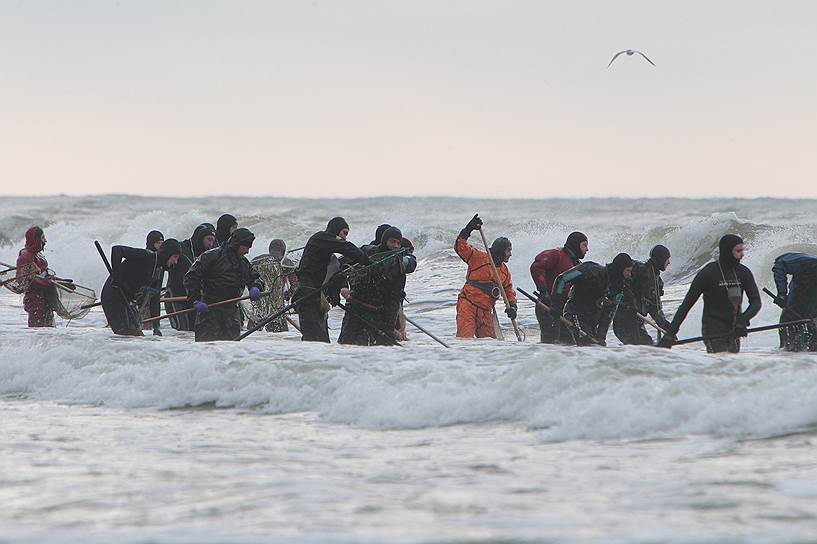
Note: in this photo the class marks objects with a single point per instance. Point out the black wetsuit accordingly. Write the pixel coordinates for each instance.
(721, 311)
(589, 303)
(191, 249)
(315, 258)
(219, 274)
(133, 270)
(642, 294)
(375, 296)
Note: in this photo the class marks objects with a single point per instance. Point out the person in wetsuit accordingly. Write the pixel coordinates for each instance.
(134, 270)
(217, 275)
(594, 297)
(642, 295)
(202, 239)
(544, 270)
(225, 227)
(797, 298)
(722, 283)
(312, 274)
(153, 242)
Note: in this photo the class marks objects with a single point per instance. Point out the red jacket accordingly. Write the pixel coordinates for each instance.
(548, 265)
(37, 293)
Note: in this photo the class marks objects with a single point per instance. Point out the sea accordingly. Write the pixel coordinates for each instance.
(160, 440)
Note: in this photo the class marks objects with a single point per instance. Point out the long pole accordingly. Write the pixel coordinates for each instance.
(650, 321)
(562, 318)
(732, 334)
(425, 331)
(188, 310)
(498, 281)
(782, 303)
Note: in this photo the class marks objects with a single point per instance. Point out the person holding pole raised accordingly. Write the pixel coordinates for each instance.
(722, 283)
(476, 301)
(217, 275)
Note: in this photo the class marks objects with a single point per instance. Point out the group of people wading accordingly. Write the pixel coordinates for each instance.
(576, 300)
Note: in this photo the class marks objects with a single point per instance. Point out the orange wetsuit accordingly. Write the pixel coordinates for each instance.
(475, 304)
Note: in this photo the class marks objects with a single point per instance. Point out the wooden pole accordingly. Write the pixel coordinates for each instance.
(498, 281)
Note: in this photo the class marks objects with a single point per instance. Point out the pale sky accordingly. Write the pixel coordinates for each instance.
(367, 98)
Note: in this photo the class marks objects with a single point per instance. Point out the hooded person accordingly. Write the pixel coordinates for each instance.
(32, 270)
(722, 283)
(276, 272)
(202, 239)
(642, 295)
(374, 297)
(594, 296)
(797, 298)
(221, 274)
(153, 242)
(128, 288)
(378, 234)
(225, 226)
(318, 253)
(477, 299)
(544, 270)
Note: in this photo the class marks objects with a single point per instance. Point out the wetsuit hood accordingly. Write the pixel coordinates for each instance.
(197, 240)
(169, 248)
(659, 256)
(335, 225)
(277, 248)
(620, 262)
(223, 227)
(573, 244)
(388, 234)
(498, 249)
(726, 245)
(241, 237)
(153, 237)
(406, 243)
(34, 239)
(378, 234)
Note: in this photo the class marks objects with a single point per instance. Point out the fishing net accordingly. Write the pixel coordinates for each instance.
(273, 276)
(17, 280)
(68, 303)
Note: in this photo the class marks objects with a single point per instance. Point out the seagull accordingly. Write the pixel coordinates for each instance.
(630, 52)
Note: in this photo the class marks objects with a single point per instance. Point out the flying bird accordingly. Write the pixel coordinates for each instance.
(629, 53)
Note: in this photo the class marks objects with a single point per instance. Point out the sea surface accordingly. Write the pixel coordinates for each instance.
(160, 440)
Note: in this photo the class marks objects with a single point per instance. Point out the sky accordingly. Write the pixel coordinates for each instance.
(355, 98)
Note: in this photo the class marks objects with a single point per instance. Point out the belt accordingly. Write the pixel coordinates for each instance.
(487, 287)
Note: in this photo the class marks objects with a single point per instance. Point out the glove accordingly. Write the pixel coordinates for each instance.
(200, 306)
(255, 294)
(511, 311)
(740, 328)
(780, 301)
(667, 340)
(408, 264)
(472, 225)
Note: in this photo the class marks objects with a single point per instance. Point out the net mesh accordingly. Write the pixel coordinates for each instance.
(68, 303)
(271, 272)
(18, 279)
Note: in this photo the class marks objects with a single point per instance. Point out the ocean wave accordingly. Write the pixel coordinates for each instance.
(559, 393)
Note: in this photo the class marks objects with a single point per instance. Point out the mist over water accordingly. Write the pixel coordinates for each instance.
(158, 439)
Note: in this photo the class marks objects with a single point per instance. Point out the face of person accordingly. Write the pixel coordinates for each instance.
(343, 234)
(42, 241)
(243, 250)
(584, 248)
(171, 262)
(393, 243)
(157, 245)
(508, 253)
(233, 227)
(737, 251)
(666, 265)
(627, 272)
(208, 241)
